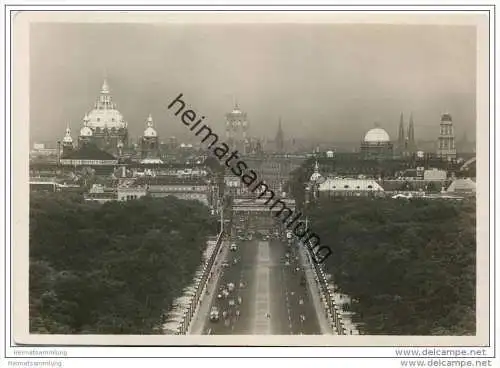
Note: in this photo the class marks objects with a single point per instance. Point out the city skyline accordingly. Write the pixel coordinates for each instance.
(300, 93)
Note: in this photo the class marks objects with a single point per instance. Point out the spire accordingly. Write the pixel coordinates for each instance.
(411, 133)
(86, 120)
(279, 137)
(105, 87)
(401, 133)
(150, 121)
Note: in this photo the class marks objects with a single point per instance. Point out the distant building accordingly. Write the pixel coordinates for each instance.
(104, 125)
(406, 145)
(332, 187)
(462, 186)
(435, 175)
(280, 140)
(150, 147)
(67, 143)
(236, 130)
(446, 140)
(88, 155)
(188, 188)
(129, 193)
(377, 143)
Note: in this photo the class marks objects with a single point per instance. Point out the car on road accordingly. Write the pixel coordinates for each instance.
(233, 247)
(214, 314)
(225, 264)
(231, 302)
(230, 286)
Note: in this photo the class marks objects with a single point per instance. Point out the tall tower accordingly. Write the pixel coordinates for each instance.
(446, 139)
(401, 136)
(280, 144)
(236, 129)
(149, 142)
(85, 133)
(67, 142)
(412, 147)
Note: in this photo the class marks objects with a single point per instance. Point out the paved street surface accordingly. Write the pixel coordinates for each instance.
(273, 298)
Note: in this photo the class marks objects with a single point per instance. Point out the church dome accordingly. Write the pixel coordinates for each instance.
(67, 138)
(85, 132)
(150, 131)
(316, 176)
(377, 135)
(105, 115)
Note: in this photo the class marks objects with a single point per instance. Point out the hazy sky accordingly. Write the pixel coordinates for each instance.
(325, 81)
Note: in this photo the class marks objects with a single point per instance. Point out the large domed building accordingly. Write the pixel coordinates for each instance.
(104, 125)
(377, 142)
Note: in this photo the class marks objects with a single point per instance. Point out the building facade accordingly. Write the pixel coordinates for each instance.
(446, 140)
(237, 130)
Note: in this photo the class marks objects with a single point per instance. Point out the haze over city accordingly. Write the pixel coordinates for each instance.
(255, 179)
(324, 81)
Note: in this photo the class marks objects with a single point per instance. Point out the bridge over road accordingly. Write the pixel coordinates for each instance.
(262, 205)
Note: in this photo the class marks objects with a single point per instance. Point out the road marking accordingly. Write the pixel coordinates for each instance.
(261, 323)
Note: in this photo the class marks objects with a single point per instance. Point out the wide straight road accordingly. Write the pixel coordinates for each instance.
(267, 278)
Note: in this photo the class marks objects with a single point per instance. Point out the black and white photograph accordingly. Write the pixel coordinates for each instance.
(242, 179)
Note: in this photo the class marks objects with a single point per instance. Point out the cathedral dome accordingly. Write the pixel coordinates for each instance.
(105, 115)
(150, 131)
(377, 135)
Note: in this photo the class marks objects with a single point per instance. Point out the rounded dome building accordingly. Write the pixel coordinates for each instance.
(377, 142)
(104, 125)
(377, 135)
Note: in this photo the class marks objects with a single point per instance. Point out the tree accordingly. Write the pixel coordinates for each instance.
(411, 265)
(112, 268)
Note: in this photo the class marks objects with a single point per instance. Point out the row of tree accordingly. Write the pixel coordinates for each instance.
(113, 268)
(409, 266)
